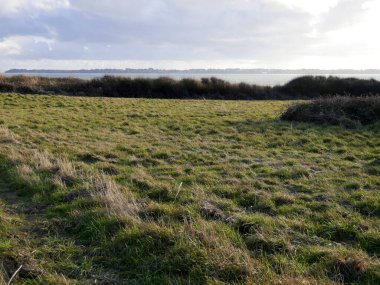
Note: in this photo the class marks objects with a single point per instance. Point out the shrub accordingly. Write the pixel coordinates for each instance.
(340, 110)
(306, 87)
(312, 86)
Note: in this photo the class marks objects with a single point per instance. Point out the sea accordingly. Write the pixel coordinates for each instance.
(258, 79)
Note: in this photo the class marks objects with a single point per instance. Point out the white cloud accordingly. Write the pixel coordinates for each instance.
(19, 47)
(50, 4)
(314, 7)
(9, 7)
(10, 46)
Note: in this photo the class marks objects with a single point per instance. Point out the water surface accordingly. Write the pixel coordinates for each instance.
(258, 79)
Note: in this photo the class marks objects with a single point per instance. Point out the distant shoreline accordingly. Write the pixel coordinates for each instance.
(197, 71)
(262, 79)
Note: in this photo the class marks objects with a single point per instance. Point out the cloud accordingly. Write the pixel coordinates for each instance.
(311, 7)
(9, 46)
(344, 13)
(9, 7)
(268, 33)
(163, 29)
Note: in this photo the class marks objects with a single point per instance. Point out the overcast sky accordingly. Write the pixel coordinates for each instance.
(71, 34)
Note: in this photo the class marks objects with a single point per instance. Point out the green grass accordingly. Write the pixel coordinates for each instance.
(133, 191)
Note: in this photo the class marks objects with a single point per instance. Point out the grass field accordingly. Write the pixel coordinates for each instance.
(134, 191)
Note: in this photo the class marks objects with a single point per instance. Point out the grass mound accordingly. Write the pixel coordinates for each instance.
(339, 110)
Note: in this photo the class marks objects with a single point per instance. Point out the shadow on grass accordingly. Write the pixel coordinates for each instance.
(261, 126)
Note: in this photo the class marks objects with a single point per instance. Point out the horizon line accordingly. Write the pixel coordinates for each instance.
(207, 70)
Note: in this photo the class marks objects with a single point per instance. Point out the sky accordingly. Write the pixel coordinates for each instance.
(183, 34)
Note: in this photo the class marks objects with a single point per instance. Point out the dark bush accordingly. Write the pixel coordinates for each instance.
(339, 110)
(315, 86)
(6, 87)
(306, 87)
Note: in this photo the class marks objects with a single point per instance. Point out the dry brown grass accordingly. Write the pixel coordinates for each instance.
(7, 136)
(228, 257)
(43, 161)
(66, 173)
(63, 173)
(107, 192)
(291, 280)
(32, 81)
(2, 276)
(26, 173)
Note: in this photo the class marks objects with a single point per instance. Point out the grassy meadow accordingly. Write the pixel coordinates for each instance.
(148, 191)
